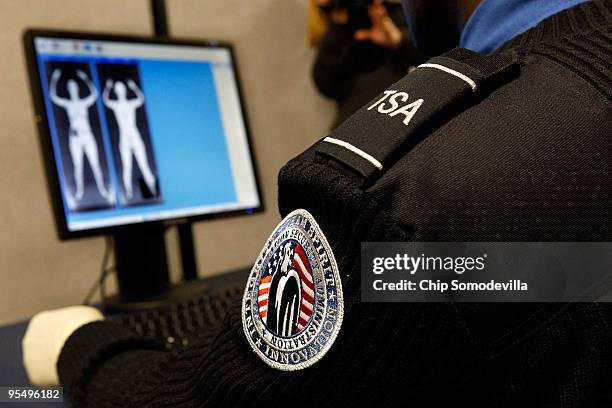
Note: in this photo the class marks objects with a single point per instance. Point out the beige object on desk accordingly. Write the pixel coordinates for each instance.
(45, 337)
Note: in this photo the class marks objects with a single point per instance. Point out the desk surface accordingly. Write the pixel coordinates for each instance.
(11, 365)
(12, 372)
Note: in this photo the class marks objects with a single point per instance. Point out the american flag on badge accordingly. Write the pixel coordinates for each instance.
(285, 298)
(299, 262)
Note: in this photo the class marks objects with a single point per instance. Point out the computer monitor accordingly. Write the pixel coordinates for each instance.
(139, 132)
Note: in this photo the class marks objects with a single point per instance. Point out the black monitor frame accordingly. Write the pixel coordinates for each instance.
(42, 122)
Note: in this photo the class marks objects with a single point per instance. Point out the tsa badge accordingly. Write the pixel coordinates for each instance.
(292, 306)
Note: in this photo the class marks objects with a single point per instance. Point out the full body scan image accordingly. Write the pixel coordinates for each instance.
(82, 143)
(130, 139)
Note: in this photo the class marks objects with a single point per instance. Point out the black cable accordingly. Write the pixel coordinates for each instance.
(160, 17)
(105, 270)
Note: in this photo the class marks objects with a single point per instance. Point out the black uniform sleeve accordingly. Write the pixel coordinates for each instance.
(100, 362)
(104, 364)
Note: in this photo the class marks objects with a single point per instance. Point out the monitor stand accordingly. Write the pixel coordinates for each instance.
(143, 280)
(141, 268)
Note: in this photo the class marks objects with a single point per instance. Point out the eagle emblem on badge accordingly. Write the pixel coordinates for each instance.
(292, 306)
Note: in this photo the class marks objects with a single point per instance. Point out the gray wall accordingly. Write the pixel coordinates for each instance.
(37, 271)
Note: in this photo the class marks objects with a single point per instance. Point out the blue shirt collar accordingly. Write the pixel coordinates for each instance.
(495, 22)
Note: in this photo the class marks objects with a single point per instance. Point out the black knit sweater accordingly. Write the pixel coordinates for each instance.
(530, 162)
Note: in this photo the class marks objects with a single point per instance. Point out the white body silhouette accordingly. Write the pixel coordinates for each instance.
(130, 140)
(81, 141)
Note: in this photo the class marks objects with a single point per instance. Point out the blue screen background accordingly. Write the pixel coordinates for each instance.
(187, 135)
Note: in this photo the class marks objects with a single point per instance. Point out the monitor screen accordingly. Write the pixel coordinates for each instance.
(143, 131)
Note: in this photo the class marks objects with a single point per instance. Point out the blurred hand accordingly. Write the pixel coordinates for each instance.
(109, 84)
(56, 74)
(131, 83)
(45, 337)
(383, 32)
(339, 16)
(336, 15)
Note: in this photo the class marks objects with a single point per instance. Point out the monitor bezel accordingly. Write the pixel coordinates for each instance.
(42, 122)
